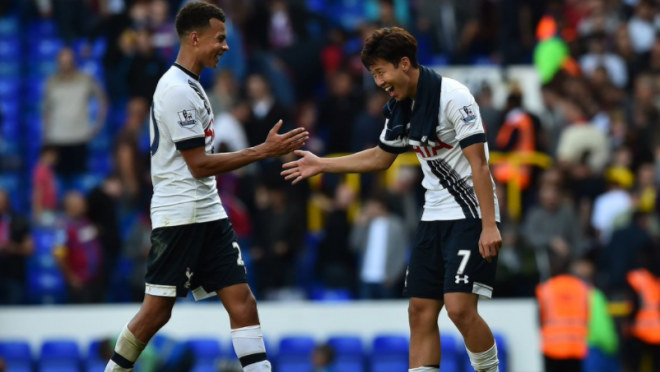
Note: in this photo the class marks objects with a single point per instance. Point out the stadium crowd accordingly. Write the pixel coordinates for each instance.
(594, 209)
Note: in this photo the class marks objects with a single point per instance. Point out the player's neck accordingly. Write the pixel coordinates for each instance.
(188, 61)
(414, 79)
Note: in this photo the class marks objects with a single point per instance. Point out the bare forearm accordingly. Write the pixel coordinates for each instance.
(215, 164)
(371, 160)
(483, 186)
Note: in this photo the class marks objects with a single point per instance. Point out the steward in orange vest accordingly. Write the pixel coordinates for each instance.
(644, 330)
(564, 308)
(517, 134)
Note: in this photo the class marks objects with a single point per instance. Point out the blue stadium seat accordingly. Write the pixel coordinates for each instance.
(390, 353)
(502, 351)
(96, 366)
(43, 28)
(19, 368)
(63, 349)
(15, 352)
(9, 68)
(9, 26)
(295, 354)
(10, 48)
(46, 286)
(10, 87)
(45, 48)
(206, 350)
(450, 357)
(93, 352)
(59, 368)
(203, 368)
(349, 353)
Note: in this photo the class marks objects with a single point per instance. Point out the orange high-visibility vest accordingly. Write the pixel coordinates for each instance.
(521, 121)
(564, 304)
(647, 321)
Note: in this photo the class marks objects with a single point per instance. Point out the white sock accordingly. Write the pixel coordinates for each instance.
(424, 369)
(250, 349)
(486, 361)
(127, 351)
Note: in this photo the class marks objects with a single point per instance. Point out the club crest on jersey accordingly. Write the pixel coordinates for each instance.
(468, 114)
(187, 118)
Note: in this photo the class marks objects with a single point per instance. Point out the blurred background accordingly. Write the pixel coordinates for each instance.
(569, 96)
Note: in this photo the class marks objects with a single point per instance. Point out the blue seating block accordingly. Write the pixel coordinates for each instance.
(349, 353)
(15, 351)
(206, 350)
(10, 48)
(390, 353)
(45, 48)
(450, 357)
(295, 353)
(62, 349)
(9, 26)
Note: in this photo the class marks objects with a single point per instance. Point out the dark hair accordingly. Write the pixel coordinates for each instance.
(196, 16)
(389, 44)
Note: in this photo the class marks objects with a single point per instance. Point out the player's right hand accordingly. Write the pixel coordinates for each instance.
(282, 144)
(308, 165)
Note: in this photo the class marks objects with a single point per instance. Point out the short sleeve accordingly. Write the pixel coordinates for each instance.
(462, 112)
(395, 146)
(180, 115)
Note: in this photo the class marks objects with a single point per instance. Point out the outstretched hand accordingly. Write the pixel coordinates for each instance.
(308, 165)
(281, 144)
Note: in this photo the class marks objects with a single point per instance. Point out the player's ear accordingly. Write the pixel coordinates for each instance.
(405, 64)
(194, 38)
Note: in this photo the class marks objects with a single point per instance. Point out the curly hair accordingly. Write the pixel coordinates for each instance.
(195, 16)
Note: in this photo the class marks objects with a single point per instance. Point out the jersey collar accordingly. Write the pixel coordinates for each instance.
(186, 71)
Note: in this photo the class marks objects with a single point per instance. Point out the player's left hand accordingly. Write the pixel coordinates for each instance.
(490, 242)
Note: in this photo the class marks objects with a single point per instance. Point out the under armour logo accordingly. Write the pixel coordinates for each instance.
(464, 279)
(189, 274)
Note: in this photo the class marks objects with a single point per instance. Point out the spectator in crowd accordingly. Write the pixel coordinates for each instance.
(16, 246)
(380, 238)
(66, 114)
(608, 206)
(164, 38)
(641, 26)
(368, 125)
(146, 67)
(599, 56)
(553, 231)
(266, 110)
(278, 237)
(581, 138)
(224, 95)
(131, 150)
(3, 366)
(622, 252)
(335, 262)
(308, 118)
(44, 192)
(322, 359)
(103, 210)
(230, 133)
(338, 112)
(491, 117)
(136, 249)
(80, 257)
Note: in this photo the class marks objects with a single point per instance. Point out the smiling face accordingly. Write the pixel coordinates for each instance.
(393, 80)
(211, 43)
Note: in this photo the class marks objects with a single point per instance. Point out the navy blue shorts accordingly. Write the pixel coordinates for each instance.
(202, 257)
(446, 259)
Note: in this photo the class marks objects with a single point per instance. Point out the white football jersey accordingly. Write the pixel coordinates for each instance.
(450, 193)
(181, 118)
